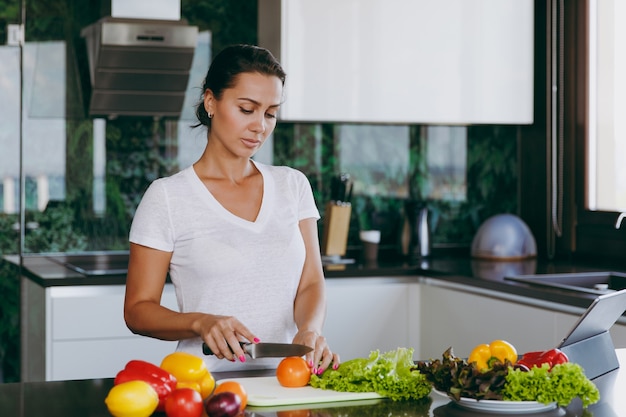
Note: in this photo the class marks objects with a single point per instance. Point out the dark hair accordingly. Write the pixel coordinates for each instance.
(228, 64)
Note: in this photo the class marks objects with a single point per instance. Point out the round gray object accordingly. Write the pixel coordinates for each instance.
(504, 236)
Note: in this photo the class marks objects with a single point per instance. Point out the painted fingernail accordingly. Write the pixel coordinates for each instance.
(335, 366)
(311, 364)
(256, 340)
(320, 371)
(314, 371)
(242, 358)
(232, 359)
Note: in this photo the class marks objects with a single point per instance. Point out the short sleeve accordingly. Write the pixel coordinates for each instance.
(152, 226)
(307, 206)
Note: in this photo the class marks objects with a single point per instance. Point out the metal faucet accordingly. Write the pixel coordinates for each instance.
(621, 217)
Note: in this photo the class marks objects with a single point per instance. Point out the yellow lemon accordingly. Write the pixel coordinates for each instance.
(132, 399)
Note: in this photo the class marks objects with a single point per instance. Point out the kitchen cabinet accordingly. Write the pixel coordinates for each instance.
(463, 320)
(403, 61)
(78, 332)
(366, 314)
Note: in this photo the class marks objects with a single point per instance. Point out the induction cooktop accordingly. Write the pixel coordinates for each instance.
(95, 263)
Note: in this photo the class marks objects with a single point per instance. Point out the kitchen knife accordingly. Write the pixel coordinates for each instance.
(268, 350)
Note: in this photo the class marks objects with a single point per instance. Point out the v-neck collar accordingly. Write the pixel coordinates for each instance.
(210, 200)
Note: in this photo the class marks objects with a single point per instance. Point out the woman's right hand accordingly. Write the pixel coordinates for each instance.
(222, 335)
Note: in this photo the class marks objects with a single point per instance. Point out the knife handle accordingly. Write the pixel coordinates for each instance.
(207, 350)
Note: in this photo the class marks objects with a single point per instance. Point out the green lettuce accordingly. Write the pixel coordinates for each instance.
(391, 374)
(561, 384)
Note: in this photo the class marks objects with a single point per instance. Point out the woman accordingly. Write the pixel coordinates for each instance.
(238, 238)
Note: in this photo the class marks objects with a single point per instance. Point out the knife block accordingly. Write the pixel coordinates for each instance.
(336, 226)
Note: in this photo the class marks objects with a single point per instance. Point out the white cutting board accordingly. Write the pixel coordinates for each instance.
(266, 391)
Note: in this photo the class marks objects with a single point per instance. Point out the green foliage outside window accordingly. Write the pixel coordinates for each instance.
(9, 300)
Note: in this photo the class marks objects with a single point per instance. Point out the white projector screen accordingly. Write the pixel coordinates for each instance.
(403, 61)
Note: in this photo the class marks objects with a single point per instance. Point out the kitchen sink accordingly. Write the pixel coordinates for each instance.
(588, 282)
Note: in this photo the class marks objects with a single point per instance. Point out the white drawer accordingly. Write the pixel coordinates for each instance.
(88, 359)
(93, 311)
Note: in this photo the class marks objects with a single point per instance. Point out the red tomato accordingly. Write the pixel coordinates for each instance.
(293, 372)
(184, 402)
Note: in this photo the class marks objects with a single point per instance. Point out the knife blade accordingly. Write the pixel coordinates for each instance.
(268, 350)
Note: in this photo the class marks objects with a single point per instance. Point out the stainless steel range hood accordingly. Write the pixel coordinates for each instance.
(139, 67)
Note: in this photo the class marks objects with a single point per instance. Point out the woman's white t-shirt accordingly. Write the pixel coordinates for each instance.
(222, 264)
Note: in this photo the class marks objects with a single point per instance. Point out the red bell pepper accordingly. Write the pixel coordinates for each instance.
(162, 381)
(551, 357)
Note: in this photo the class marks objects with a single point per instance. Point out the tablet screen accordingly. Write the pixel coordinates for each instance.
(599, 317)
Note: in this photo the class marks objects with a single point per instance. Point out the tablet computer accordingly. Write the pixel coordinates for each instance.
(598, 318)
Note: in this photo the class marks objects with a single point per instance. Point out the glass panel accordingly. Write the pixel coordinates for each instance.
(85, 177)
(10, 131)
(44, 120)
(376, 157)
(44, 141)
(447, 163)
(99, 167)
(607, 104)
(10, 80)
(191, 142)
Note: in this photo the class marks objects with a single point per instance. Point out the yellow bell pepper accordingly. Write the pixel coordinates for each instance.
(190, 372)
(485, 355)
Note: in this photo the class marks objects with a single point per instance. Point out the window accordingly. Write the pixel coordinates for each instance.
(606, 130)
(597, 96)
(378, 167)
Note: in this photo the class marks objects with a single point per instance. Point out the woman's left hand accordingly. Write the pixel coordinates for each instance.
(321, 357)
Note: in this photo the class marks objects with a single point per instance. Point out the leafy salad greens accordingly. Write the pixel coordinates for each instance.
(391, 374)
(394, 375)
(561, 384)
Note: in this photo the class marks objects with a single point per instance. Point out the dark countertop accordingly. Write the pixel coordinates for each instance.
(85, 398)
(108, 268)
